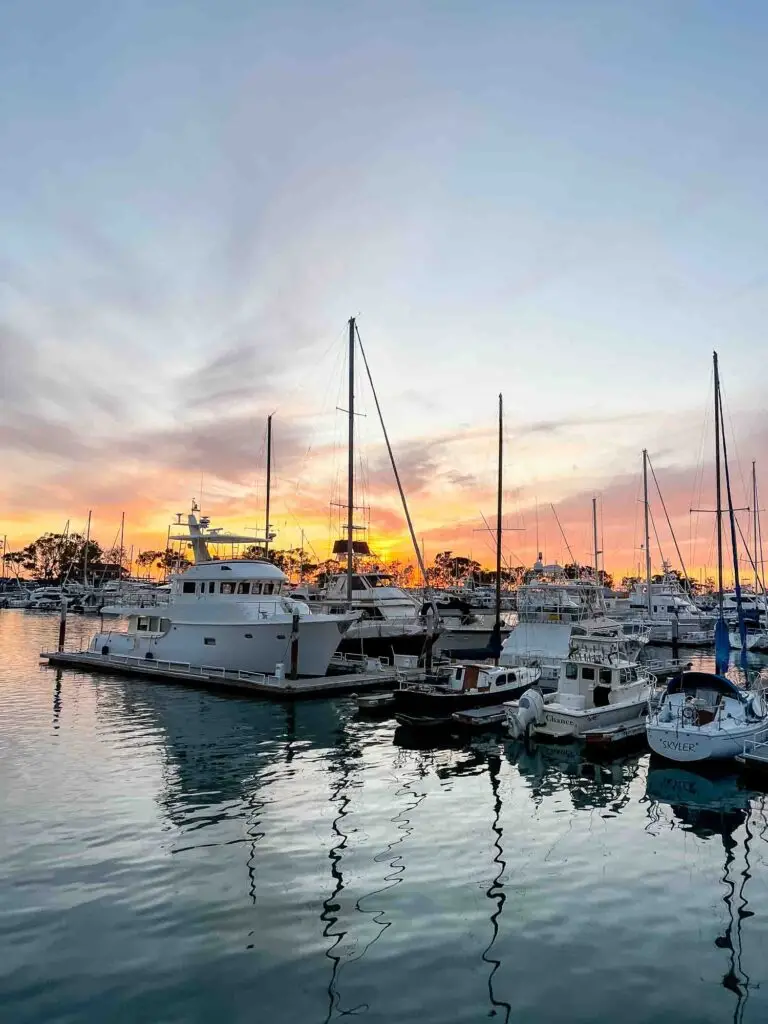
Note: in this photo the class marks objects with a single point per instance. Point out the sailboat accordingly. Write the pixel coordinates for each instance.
(704, 716)
(470, 684)
(388, 620)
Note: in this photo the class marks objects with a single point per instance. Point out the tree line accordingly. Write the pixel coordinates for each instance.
(59, 557)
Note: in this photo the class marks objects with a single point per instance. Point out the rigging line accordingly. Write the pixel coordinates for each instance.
(562, 531)
(750, 559)
(414, 541)
(699, 474)
(656, 534)
(507, 563)
(669, 523)
(733, 437)
(732, 517)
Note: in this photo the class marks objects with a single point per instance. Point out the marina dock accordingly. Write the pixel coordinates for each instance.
(213, 678)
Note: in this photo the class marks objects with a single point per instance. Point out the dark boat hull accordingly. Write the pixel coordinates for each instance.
(418, 704)
(385, 646)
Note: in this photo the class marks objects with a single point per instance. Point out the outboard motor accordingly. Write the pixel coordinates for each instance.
(529, 712)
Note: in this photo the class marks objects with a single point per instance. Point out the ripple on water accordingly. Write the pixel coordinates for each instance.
(172, 855)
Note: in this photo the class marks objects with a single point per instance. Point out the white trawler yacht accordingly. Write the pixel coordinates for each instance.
(234, 614)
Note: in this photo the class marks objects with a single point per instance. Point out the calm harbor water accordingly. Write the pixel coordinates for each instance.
(172, 855)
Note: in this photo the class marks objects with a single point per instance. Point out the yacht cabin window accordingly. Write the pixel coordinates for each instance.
(227, 588)
(211, 587)
(500, 680)
(244, 587)
(587, 672)
(269, 588)
(188, 587)
(571, 671)
(605, 676)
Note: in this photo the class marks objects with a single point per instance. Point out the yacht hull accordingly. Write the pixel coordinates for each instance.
(383, 645)
(240, 647)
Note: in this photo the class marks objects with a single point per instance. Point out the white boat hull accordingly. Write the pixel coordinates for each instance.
(699, 743)
(241, 647)
(558, 718)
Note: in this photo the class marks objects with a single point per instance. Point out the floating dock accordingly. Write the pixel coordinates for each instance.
(214, 678)
(480, 718)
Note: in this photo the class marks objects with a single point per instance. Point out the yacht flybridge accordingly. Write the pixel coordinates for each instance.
(234, 615)
(553, 613)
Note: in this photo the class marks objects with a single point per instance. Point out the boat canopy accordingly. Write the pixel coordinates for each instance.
(539, 639)
(704, 681)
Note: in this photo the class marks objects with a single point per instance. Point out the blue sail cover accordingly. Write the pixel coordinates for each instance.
(722, 647)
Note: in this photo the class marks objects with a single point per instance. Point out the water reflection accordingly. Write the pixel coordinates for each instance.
(495, 891)
(551, 769)
(57, 699)
(712, 805)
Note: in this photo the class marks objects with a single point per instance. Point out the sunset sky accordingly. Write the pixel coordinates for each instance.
(562, 201)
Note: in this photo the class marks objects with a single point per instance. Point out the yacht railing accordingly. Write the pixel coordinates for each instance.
(166, 666)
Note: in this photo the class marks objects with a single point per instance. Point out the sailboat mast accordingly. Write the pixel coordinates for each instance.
(594, 539)
(499, 512)
(351, 460)
(88, 540)
(647, 533)
(269, 483)
(122, 545)
(754, 528)
(718, 488)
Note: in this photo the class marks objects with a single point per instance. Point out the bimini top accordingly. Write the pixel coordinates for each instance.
(704, 681)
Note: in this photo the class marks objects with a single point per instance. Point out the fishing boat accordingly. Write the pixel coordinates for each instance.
(468, 685)
(704, 716)
(601, 685)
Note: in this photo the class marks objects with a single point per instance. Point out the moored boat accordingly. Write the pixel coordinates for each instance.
(703, 716)
(467, 685)
(601, 685)
(232, 615)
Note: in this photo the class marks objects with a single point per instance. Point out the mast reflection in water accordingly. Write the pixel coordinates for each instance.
(715, 806)
(169, 854)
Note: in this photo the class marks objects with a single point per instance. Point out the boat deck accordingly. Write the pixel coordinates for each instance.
(215, 678)
(480, 718)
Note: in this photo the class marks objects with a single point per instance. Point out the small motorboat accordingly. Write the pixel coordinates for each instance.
(468, 685)
(373, 703)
